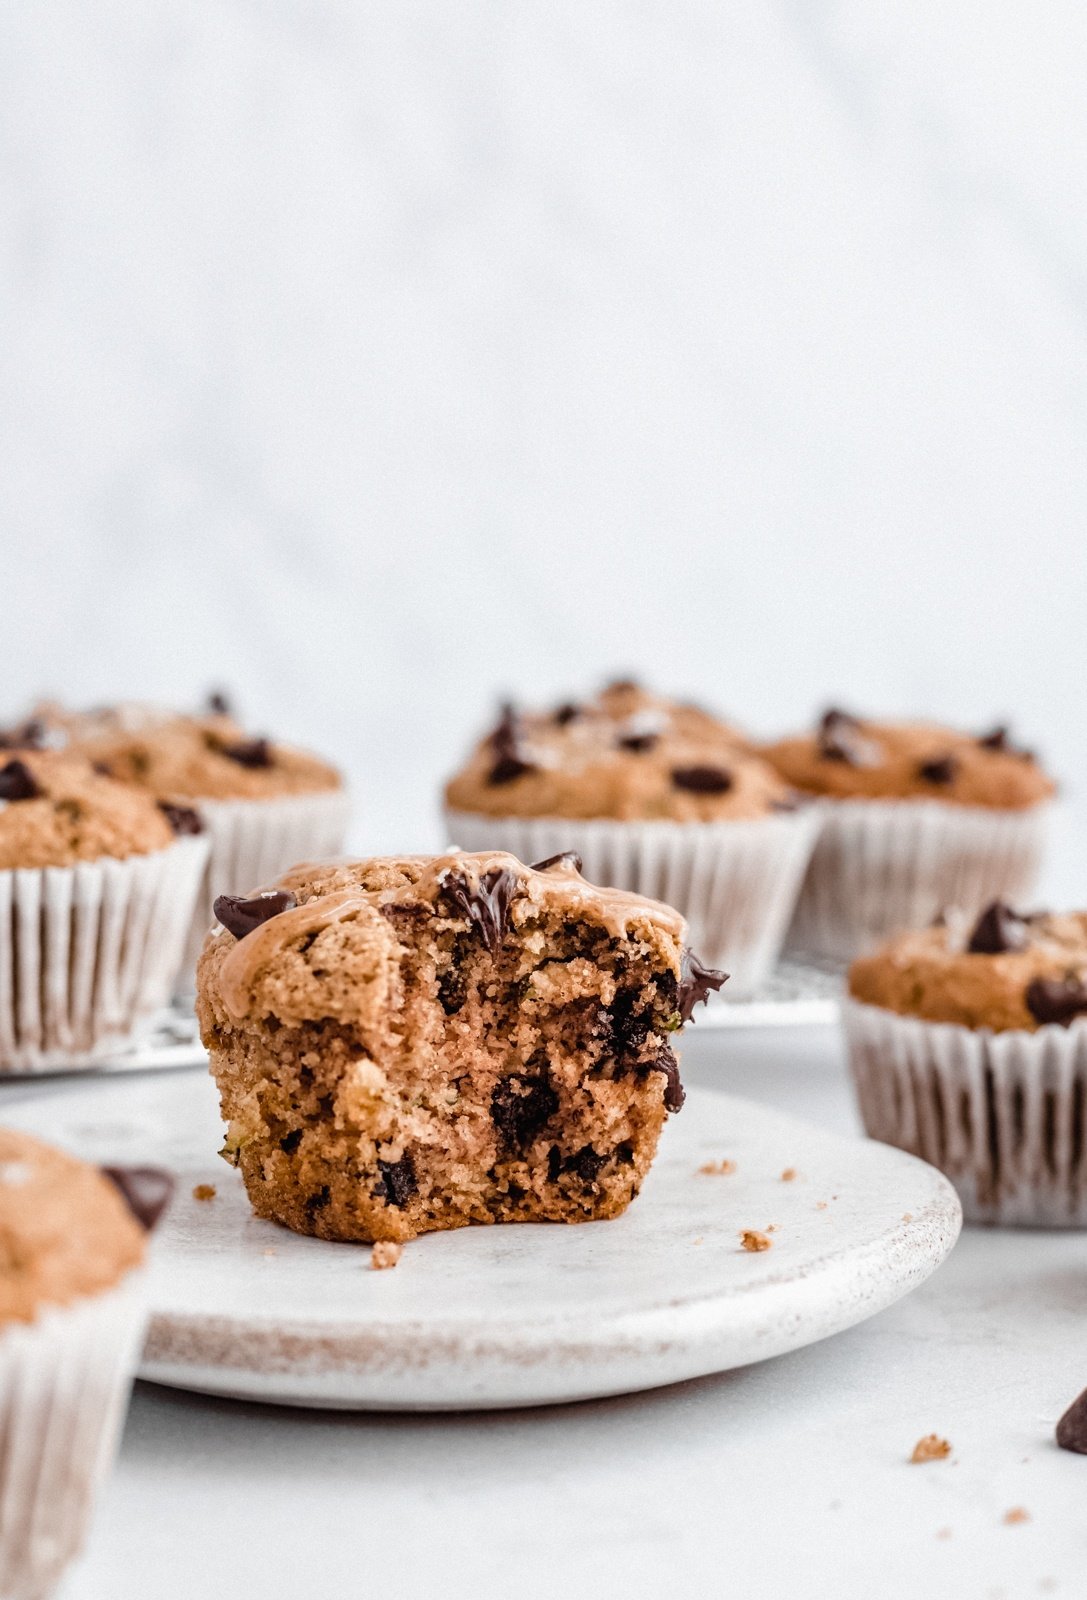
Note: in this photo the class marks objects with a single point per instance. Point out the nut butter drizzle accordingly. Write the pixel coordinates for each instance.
(241, 965)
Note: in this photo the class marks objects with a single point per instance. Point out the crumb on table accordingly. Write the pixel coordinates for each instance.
(789, 1175)
(204, 1191)
(385, 1253)
(931, 1448)
(1016, 1514)
(752, 1239)
(717, 1168)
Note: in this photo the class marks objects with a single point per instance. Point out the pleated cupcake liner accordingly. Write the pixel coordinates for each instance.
(1004, 1115)
(88, 953)
(734, 882)
(64, 1386)
(880, 866)
(251, 843)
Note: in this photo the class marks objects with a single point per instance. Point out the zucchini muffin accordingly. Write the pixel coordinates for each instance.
(914, 817)
(410, 1044)
(968, 1046)
(71, 1326)
(97, 886)
(657, 797)
(264, 805)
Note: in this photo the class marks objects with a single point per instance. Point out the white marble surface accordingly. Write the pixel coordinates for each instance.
(372, 358)
(786, 1479)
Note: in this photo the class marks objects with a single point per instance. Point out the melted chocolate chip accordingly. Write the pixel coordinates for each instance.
(240, 916)
(841, 738)
(145, 1191)
(696, 981)
(941, 769)
(674, 1093)
(639, 743)
(1058, 1000)
(566, 713)
(29, 735)
(452, 991)
(998, 930)
(565, 858)
(626, 1027)
(318, 1201)
(487, 904)
(521, 1108)
(17, 782)
(218, 703)
(182, 819)
(1072, 1428)
(398, 1179)
(505, 743)
(290, 1141)
(703, 780)
(585, 1164)
(249, 753)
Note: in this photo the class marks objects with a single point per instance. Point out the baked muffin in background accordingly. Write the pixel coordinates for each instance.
(263, 805)
(657, 797)
(72, 1317)
(97, 887)
(419, 1043)
(968, 1047)
(913, 818)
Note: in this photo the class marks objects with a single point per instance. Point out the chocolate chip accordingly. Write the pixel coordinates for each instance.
(626, 1023)
(941, 769)
(29, 735)
(452, 991)
(290, 1141)
(506, 768)
(565, 858)
(240, 916)
(1058, 1000)
(318, 1201)
(586, 1164)
(1072, 1428)
(696, 981)
(674, 1093)
(218, 703)
(998, 930)
(487, 904)
(249, 753)
(1000, 741)
(145, 1191)
(505, 742)
(840, 737)
(17, 782)
(521, 1108)
(702, 780)
(639, 743)
(566, 713)
(182, 819)
(404, 913)
(399, 1180)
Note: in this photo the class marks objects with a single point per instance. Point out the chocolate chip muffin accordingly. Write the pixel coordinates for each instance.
(264, 805)
(71, 1327)
(97, 886)
(657, 797)
(404, 1045)
(914, 817)
(968, 1046)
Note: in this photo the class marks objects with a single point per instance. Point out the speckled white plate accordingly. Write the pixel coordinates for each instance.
(508, 1316)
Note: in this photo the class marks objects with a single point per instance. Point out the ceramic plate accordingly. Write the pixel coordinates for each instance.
(518, 1315)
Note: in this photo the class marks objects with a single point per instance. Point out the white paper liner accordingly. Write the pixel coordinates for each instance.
(880, 866)
(735, 882)
(64, 1385)
(1004, 1115)
(253, 842)
(88, 953)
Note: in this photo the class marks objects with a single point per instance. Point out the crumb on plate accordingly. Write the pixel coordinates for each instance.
(204, 1191)
(384, 1254)
(931, 1448)
(752, 1239)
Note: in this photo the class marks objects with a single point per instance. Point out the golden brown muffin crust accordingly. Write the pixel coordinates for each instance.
(58, 810)
(626, 755)
(935, 976)
(65, 1232)
(853, 758)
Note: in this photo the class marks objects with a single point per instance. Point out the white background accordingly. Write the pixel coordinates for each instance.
(373, 359)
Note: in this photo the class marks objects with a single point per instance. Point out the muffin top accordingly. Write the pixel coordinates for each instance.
(849, 758)
(626, 755)
(1006, 971)
(326, 942)
(65, 1230)
(55, 810)
(190, 758)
